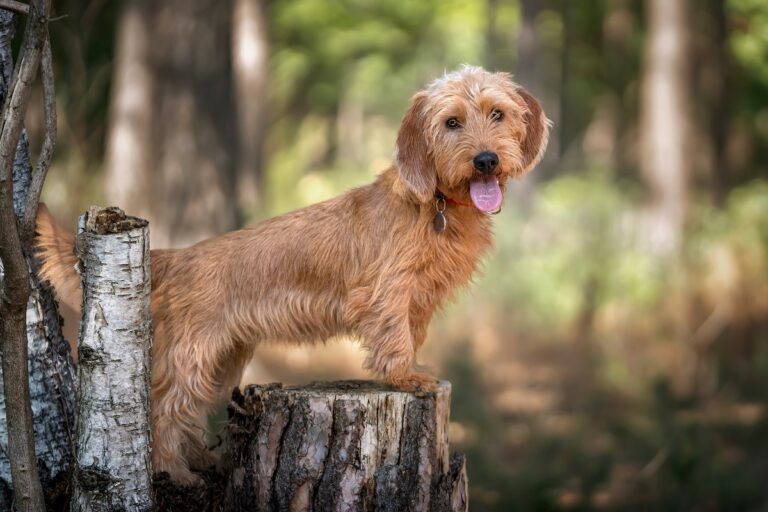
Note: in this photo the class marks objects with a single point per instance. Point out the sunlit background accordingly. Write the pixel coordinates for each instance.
(614, 354)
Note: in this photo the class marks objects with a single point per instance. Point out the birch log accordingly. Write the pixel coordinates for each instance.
(113, 440)
(350, 445)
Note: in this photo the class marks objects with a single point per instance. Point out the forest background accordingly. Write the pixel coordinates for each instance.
(614, 354)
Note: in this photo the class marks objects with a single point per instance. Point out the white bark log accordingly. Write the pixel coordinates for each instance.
(114, 468)
(342, 446)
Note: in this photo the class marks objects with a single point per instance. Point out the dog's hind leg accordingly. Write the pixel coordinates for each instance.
(184, 390)
(175, 436)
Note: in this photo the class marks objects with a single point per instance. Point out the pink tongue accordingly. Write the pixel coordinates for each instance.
(485, 193)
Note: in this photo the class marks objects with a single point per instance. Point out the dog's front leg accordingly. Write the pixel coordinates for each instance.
(392, 351)
(419, 322)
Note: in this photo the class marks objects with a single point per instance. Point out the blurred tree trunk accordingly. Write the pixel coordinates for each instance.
(565, 131)
(664, 121)
(493, 42)
(527, 75)
(175, 113)
(618, 28)
(250, 47)
(718, 100)
(527, 46)
(129, 138)
(51, 387)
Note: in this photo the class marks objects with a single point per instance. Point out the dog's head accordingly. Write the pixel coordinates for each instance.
(466, 134)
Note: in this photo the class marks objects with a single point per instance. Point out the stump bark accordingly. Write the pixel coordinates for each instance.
(114, 470)
(349, 445)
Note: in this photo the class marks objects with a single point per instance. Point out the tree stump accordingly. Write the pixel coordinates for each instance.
(350, 445)
(114, 470)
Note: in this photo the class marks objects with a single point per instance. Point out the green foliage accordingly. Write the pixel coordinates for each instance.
(749, 42)
(377, 52)
(570, 239)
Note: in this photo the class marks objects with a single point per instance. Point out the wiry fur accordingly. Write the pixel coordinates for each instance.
(367, 263)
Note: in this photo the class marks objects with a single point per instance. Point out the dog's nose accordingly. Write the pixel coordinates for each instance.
(486, 162)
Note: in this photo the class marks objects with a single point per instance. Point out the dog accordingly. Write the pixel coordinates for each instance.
(374, 263)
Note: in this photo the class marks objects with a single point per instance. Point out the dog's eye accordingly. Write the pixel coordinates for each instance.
(497, 115)
(452, 123)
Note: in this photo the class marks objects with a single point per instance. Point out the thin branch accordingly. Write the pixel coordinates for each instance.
(49, 143)
(19, 91)
(13, 5)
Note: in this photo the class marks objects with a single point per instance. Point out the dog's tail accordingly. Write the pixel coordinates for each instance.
(55, 248)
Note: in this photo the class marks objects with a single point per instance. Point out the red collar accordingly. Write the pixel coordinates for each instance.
(440, 195)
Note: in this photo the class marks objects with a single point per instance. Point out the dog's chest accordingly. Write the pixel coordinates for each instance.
(448, 262)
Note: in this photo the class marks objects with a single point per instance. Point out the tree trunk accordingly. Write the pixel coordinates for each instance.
(172, 116)
(342, 446)
(51, 384)
(527, 74)
(719, 99)
(250, 50)
(51, 390)
(493, 43)
(52, 398)
(193, 130)
(128, 163)
(564, 125)
(664, 122)
(528, 47)
(618, 29)
(14, 296)
(114, 469)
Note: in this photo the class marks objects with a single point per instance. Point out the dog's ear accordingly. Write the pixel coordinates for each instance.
(414, 163)
(537, 131)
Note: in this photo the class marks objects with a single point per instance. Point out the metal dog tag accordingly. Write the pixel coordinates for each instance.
(439, 222)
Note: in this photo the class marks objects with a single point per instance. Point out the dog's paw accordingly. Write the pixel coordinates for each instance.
(204, 459)
(414, 382)
(180, 476)
(188, 479)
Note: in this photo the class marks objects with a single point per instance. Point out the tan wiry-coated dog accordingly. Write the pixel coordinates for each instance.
(374, 263)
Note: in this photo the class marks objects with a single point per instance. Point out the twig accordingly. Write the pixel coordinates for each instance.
(49, 143)
(22, 8)
(712, 326)
(18, 93)
(13, 5)
(654, 464)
